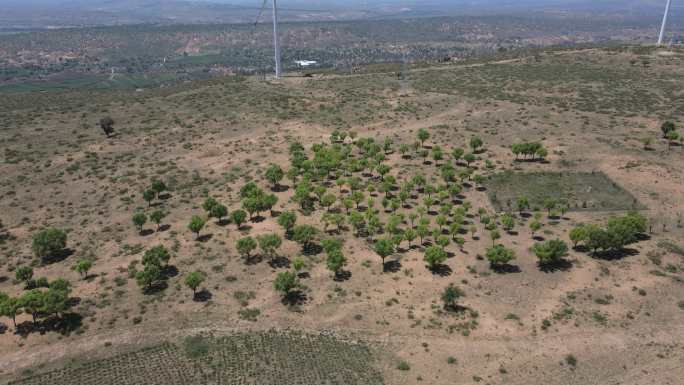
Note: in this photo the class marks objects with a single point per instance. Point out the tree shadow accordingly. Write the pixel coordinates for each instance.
(538, 238)
(170, 271)
(280, 187)
(612, 255)
(204, 237)
(65, 325)
(73, 301)
(392, 266)
(58, 256)
(146, 232)
(303, 275)
(156, 288)
(581, 248)
(3, 328)
(560, 265)
(163, 228)
(164, 196)
(455, 308)
(342, 275)
(279, 262)
(505, 268)
(642, 237)
(525, 215)
(223, 222)
(4, 279)
(253, 260)
(258, 219)
(481, 188)
(203, 295)
(312, 249)
(441, 269)
(293, 298)
(512, 232)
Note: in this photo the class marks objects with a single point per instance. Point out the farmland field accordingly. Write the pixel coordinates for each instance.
(588, 191)
(260, 358)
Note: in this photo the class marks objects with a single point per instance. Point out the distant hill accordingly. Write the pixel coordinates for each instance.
(62, 13)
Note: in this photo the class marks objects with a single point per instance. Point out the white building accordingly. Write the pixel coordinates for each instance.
(306, 63)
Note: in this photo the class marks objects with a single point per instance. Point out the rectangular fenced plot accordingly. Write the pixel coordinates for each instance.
(579, 191)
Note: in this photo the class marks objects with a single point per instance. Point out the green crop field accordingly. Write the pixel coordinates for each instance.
(581, 191)
(247, 358)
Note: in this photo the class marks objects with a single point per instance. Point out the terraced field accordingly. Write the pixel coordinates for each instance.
(261, 358)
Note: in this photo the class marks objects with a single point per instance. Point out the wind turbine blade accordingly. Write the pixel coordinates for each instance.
(261, 11)
(662, 27)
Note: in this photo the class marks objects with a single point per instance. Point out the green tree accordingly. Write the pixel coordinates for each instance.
(196, 225)
(194, 280)
(451, 295)
(457, 153)
(274, 174)
(598, 238)
(667, 127)
(475, 143)
(671, 137)
(523, 204)
(269, 243)
(535, 226)
(33, 302)
(82, 267)
(410, 235)
(24, 274)
(287, 220)
(423, 135)
(157, 217)
(49, 242)
(384, 248)
(219, 211)
(286, 282)
(10, 307)
(304, 235)
(148, 196)
(238, 217)
(56, 300)
(494, 235)
(578, 234)
(422, 230)
(499, 255)
(508, 222)
(107, 125)
(550, 204)
(550, 252)
(245, 246)
(336, 261)
(157, 255)
(139, 220)
(149, 276)
(209, 204)
(434, 255)
(252, 205)
(469, 158)
(158, 187)
(328, 200)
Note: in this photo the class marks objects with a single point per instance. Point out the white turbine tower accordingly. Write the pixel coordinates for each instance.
(662, 27)
(276, 39)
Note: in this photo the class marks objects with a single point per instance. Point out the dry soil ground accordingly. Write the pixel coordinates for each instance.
(622, 319)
